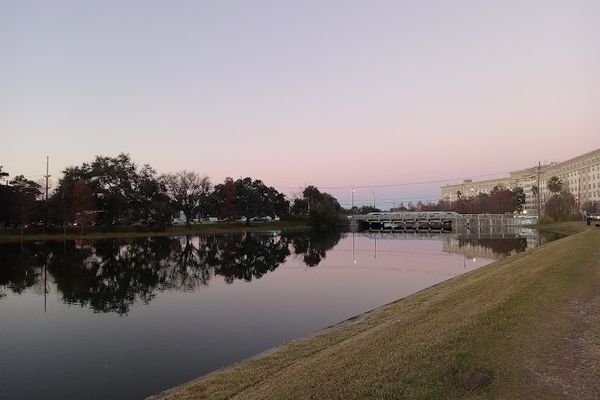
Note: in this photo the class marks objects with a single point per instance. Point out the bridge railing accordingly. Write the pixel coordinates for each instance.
(407, 215)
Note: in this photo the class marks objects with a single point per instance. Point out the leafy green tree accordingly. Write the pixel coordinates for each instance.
(122, 191)
(230, 206)
(84, 208)
(249, 198)
(151, 205)
(115, 184)
(24, 197)
(257, 199)
(325, 211)
(299, 207)
(312, 196)
(561, 206)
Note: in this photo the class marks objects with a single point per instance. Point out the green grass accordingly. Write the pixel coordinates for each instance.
(132, 232)
(566, 228)
(519, 321)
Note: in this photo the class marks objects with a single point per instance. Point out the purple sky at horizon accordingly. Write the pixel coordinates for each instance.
(331, 93)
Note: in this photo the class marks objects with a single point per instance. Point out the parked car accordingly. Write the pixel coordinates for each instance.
(259, 219)
(32, 225)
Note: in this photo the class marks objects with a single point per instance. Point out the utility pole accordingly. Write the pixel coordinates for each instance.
(47, 176)
(579, 191)
(539, 191)
(46, 199)
(373, 198)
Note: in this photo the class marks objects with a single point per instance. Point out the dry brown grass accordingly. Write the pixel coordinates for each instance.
(508, 321)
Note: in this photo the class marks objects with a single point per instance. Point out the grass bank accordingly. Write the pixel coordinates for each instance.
(132, 232)
(565, 228)
(522, 328)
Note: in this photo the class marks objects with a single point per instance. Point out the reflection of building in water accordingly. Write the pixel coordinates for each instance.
(491, 242)
(485, 247)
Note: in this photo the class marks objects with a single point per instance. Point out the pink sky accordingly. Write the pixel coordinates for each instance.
(294, 93)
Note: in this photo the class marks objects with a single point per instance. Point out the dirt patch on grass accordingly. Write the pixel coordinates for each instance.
(473, 379)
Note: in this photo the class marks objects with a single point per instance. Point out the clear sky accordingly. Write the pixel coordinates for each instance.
(332, 93)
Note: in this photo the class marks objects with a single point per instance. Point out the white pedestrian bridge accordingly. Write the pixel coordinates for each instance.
(429, 221)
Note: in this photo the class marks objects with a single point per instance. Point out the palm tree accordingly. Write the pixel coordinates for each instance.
(555, 184)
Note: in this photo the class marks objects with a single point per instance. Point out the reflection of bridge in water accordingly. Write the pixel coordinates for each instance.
(497, 233)
(472, 243)
(435, 221)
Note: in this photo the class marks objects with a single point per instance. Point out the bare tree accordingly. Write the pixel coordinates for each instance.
(188, 191)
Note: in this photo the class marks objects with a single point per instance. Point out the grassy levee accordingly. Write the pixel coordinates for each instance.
(130, 232)
(566, 228)
(516, 329)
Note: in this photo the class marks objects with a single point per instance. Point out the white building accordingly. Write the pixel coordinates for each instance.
(580, 176)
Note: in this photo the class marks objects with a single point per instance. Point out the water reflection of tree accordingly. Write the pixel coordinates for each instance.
(20, 268)
(314, 246)
(247, 256)
(112, 275)
(109, 276)
(185, 267)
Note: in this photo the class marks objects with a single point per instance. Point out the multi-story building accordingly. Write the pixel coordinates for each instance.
(471, 189)
(580, 176)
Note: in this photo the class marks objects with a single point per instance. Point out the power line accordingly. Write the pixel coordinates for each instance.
(394, 184)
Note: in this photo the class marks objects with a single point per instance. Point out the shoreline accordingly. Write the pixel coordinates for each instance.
(12, 236)
(207, 229)
(164, 395)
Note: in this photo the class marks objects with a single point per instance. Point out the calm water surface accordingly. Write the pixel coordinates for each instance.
(124, 319)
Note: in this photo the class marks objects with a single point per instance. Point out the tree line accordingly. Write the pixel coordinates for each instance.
(118, 191)
(560, 205)
(500, 200)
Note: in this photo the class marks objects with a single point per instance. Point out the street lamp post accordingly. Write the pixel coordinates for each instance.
(353, 200)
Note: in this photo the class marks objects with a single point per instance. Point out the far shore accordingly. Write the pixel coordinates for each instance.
(127, 231)
(13, 235)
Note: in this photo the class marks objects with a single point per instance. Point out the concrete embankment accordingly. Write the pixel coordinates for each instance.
(525, 327)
